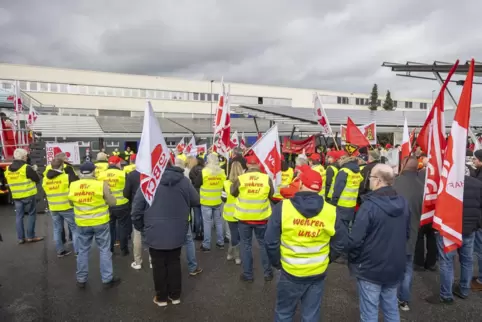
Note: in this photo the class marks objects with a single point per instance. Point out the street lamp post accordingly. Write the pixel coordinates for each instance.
(212, 121)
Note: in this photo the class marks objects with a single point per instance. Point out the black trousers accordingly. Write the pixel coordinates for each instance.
(120, 216)
(166, 270)
(420, 258)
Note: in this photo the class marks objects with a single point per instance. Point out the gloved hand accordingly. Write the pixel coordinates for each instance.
(35, 167)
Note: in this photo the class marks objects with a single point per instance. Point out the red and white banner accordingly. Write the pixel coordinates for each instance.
(321, 117)
(32, 115)
(307, 145)
(181, 146)
(406, 143)
(153, 155)
(242, 142)
(369, 130)
(190, 148)
(267, 150)
(201, 149)
(234, 140)
(71, 150)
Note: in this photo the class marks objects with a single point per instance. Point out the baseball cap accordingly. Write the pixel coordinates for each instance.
(87, 167)
(133, 157)
(315, 157)
(311, 179)
(115, 159)
(251, 159)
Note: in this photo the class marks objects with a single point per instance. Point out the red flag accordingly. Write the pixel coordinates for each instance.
(406, 143)
(449, 208)
(354, 135)
(243, 142)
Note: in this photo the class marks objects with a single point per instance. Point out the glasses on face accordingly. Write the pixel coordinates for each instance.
(374, 177)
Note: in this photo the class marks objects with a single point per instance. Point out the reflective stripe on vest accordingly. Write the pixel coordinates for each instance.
(100, 167)
(333, 180)
(116, 178)
(90, 208)
(20, 186)
(57, 192)
(305, 242)
(252, 202)
(212, 188)
(229, 206)
(349, 194)
(286, 179)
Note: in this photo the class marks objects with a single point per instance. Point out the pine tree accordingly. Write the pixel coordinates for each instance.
(374, 98)
(388, 104)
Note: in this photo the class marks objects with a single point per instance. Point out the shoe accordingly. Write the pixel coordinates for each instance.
(436, 299)
(403, 306)
(458, 292)
(418, 268)
(199, 237)
(204, 249)
(226, 240)
(433, 268)
(175, 302)
(21, 241)
(113, 282)
(197, 271)
(475, 285)
(63, 254)
(245, 279)
(237, 261)
(125, 253)
(268, 278)
(341, 261)
(159, 303)
(117, 243)
(150, 265)
(34, 240)
(81, 285)
(237, 258)
(230, 255)
(136, 266)
(220, 246)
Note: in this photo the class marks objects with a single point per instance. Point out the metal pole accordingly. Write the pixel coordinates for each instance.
(212, 121)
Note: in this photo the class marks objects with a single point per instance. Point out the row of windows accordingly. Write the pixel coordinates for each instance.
(366, 101)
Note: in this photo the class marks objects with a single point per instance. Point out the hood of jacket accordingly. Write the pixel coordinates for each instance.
(387, 200)
(16, 164)
(350, 163)
(53, 173)
(309, 204)
(172, 176)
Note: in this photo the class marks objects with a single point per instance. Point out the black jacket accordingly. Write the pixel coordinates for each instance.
(69, 169)
(196, 176)
(31, 174)
(365, 184)
(241, 160)
(53, 173)
(133, 181)
(472, 205)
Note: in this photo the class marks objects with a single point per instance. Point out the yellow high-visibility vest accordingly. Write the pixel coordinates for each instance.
(116, 178)
(57, 192)
(100, 167)
(253, 203)
(321, 170)
(333, 179)
(286, 179)
(127, 155)
(228, 209)
(90, 208)
(305, 242)
(349, 194)
(49, 167)
(116, 153)
(212, 188)
(129, 168)
(20, 186)
(182, 156)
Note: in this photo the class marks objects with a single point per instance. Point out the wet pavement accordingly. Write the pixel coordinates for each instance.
(37, 286)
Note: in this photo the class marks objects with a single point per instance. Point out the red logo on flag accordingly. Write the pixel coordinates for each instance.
(57, 150)
(273, 161)
(149, 183)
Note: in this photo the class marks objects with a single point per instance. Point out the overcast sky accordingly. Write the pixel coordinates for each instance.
(323, 44)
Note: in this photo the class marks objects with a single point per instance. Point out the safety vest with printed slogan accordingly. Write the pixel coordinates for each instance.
(20, 186)
(212, 188)
(253, 203)
(116, 178)
(90, 208)
(100, 167)
(305, 242)
(286, 179)
(228, 209)
(57, 192)
(350, 192)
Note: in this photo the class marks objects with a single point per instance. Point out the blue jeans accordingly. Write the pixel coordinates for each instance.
(246, 234)
(58, 218)
(478, 251)
(234, 229)
(290, 293)
(405, 287)
(198, 221)
(190, 251)
(373, 295)
(29, 206)
(101, 234)
(447, 266)
(211, 214)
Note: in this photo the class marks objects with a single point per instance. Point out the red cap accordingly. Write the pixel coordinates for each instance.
(388, 146)
(315, 157)
(133, 157)
(336, 154)
(251, 159)
(115, 159)
(311, 179)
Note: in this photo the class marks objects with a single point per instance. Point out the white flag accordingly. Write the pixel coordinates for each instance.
(234, 140)
(321, 117)
(267, 150)
(190, 148)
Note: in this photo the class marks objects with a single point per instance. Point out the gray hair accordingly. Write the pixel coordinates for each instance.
(385, 173)
(101, 156)
(20, 154)
(178, 162)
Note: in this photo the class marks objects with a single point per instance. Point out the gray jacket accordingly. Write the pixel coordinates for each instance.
(411, 186)
(165, 223)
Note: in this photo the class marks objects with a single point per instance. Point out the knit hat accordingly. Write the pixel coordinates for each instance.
(114, 159)
(478, 155)
(311, 179)
(315, 157)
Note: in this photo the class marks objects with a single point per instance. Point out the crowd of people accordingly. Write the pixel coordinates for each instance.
(332, 208)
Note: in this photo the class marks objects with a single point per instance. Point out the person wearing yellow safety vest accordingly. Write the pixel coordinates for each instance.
(116, 152)
(253, 191)
(127, 154)
(211, 183)
(56, 187)
(228, 212)
(22, 181)
(332, 167)
(101, 164)
(287, 175)
(315, 163)
(131, 166)
(91, 199)
(120, 213)
(303, 236)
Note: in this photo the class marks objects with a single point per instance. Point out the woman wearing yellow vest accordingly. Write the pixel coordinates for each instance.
(302, 238)
(211, 187)
(101, 164)
(22, 181)
(228, 212)
(56, 187)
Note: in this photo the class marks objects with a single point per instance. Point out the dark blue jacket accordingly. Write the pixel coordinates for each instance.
(165, 222)
(340, 180)
(309, 204)
(376, 245)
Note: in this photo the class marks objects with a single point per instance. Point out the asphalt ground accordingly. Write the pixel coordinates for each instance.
(37, 286)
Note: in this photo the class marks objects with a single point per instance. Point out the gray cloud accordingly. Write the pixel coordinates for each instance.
(331, 45)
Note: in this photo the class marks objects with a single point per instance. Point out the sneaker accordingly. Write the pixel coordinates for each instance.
(436, 299)
(159, 303)
(433, 268)
(237, 261)
(197, 271)
(117, 243)
(226, 240)
(220, 246)
(113, 282)
(124, 253)
(63, 254)
(475, 285)
(134, 265)
(230, 257)
(35, 239)
(81, 285)
(150, 265)
(403, 306)
(245, 279)
(458, 292)
(268, 278)
(175, 302)
(21, 241)
(204, 249)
